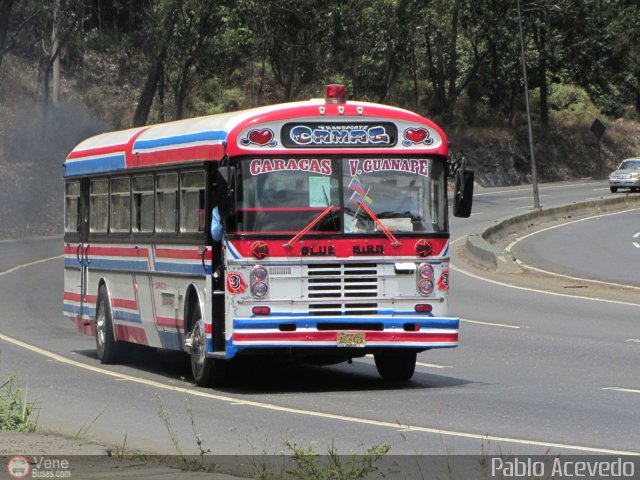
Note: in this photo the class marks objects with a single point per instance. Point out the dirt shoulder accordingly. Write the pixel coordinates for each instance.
(52, 455)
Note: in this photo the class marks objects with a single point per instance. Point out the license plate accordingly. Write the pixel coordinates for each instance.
(346, 339)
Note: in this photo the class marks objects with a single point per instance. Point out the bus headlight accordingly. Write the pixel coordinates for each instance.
(259, 280)
(425, 279)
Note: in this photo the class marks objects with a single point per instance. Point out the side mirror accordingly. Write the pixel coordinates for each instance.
(225, 193)
(463, 193)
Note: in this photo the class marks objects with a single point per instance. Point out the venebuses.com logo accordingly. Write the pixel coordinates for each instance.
(20, 466)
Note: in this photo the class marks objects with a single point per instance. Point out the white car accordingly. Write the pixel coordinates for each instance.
(626, 176)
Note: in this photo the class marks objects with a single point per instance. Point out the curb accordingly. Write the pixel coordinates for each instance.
(481, 247)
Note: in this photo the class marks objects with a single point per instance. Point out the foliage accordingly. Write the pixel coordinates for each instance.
(307, 464)
(457, 59)
(15, 409)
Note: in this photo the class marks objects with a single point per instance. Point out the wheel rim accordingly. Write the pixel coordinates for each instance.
(101, 327)
(199, 347)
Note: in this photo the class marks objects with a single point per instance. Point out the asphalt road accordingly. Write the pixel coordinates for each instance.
(534, 373)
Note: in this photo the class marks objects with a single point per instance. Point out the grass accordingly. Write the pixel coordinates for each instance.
(16, 411)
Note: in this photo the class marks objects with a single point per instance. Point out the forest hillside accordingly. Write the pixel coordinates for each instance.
(73, 68)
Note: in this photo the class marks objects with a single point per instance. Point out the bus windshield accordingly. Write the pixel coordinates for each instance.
(285, 195)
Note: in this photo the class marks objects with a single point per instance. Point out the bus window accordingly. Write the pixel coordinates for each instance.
(166, 202)
(143, 204)
(72, 207)
(192, 202)
(120, 205)
(99, 205)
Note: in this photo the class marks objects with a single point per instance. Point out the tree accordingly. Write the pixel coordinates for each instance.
(164, 30)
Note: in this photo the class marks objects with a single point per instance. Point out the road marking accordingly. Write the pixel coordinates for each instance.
(579, 279)
(622, 389)
(432, 365)
(311, 413)
(490, 324)
(636, 244)
(535, 290)
(634, 340)
(18, 267)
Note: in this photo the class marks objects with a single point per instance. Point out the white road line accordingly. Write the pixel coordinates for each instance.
(535, 290)
(432, 365)
(512, 244)
(311, 413)
(491, 324)
(579, 279)
(18, 267)
(622, 389)
(633, 340)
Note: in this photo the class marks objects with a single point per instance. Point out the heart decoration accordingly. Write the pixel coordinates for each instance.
(416, 135)
(260, 137)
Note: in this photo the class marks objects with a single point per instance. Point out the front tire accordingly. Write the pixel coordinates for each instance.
(206, 371)
(109, 350)
(613, 189)
(396, 365)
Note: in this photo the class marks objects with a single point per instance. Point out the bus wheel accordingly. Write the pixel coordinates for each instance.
(109, 350)
(396, 365)
(206, 371)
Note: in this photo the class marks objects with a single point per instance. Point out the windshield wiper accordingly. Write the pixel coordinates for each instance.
(313, 223)
(385, 230)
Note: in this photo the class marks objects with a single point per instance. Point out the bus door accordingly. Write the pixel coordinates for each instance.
(82, 248)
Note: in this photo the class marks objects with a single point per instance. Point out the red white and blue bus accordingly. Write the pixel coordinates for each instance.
(314, 231)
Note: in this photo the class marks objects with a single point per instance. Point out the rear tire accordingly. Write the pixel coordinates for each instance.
(109, 350)
(206, 371)
(396, 365)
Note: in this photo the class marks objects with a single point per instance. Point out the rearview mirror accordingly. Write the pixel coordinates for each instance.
(225, 194)
(463, 193)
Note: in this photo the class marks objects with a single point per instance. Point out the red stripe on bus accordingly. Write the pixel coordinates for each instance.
(169, 322)
(200, 152)
(177, 253)
(123, 303)
(329, 336)
(131, 334)
(76, 297)
(285, 209)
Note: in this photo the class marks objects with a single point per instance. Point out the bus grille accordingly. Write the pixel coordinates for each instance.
(359, 280)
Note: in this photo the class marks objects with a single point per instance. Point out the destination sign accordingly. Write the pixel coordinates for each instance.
(328, 135)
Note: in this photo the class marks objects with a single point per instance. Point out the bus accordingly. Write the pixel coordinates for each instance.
(313, 231)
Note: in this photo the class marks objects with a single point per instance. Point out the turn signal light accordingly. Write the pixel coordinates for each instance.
(423, 308)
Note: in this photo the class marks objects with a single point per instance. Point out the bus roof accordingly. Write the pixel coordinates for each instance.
(313, 127)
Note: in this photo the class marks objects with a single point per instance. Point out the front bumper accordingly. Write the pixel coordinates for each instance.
(322, 333)
(624, 182)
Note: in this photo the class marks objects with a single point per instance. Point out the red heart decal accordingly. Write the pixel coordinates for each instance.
(415, 135)
(260, 137)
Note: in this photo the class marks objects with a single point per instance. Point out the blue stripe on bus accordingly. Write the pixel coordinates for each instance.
(179, 267)
(126, 316)
(170, 340)
(305, 322)
(113, 264)
(180, 139)
(76, 309)
(94, 165)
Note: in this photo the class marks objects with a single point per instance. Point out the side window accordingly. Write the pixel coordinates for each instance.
(72, 207)
(99, 205)
(142, 210)
(192, 213)
(120, 205)
(167, 202)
